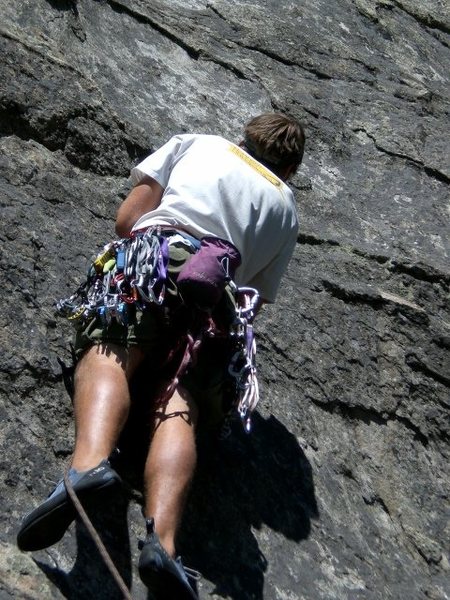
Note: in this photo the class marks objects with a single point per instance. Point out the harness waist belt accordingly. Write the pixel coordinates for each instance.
(171, 232)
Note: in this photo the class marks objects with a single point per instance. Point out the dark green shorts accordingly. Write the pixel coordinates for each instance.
(146, 329)
(153, 332)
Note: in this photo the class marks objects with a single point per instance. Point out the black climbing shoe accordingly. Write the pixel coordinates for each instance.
(165, 577)
(46, 524)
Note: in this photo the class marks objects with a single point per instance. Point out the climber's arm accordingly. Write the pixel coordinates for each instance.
(143, 198)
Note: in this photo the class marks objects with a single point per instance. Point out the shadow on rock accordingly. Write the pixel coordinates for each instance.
(241, 484)
(251, 481)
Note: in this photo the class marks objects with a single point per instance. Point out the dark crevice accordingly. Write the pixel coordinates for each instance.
(381, 259)
(287, 373)
(42, 54)
(146, 20)
(135, 150)
(383, 505)
(98, 215)
(311, 240)
(74, 23)
(418, 271)
(316, 72)
(55, 132)
(315, 114)
(229, 67)
(269, 54)
(417, 163)
(64, 5)
(193, 53)
(37, 276)
(377, 500)
(282, 359)
(442, 341)
(217, 13)
(287, 62)
(373, 298)
(427, 20)
(434, 173)
(362, 295)
(370, 416)
(418, 363)
(284, 61)
(15, 121)
(442, 38)
(418, 435)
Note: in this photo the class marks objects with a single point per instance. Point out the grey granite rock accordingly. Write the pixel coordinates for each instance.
(342, 490)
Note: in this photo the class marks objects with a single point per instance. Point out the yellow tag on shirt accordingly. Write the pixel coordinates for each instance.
(262, 170)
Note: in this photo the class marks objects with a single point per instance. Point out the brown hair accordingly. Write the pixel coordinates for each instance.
(276, 140)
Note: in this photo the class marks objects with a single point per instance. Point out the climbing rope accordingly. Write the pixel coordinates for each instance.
(96, 538)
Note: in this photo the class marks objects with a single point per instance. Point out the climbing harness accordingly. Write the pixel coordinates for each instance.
(134, 271)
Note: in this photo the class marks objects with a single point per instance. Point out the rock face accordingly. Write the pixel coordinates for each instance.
(342, 490)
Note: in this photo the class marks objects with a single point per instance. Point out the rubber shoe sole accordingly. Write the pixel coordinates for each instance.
(46, 524)
(165, 578)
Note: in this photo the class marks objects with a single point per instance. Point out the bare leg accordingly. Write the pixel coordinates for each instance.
(170, 466)
(102, 401)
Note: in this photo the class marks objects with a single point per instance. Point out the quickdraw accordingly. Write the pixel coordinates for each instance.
(243, 362)
(127, 271)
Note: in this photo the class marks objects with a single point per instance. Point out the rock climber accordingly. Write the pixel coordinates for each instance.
(194, 187)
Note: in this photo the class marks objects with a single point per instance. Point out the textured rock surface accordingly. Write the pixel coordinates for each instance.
(342, 490)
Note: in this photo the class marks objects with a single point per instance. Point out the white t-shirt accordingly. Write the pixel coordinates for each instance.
(213, 187)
